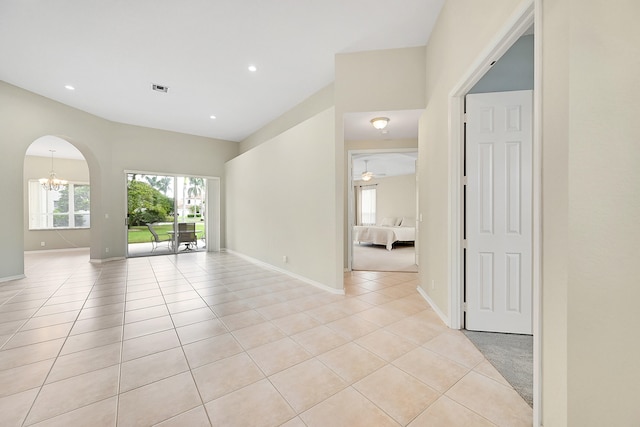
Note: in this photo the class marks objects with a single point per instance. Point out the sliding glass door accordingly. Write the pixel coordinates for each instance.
(165, 214)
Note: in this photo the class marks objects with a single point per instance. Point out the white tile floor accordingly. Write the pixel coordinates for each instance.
(206, 339)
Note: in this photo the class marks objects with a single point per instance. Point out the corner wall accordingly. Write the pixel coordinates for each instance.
(281, 201)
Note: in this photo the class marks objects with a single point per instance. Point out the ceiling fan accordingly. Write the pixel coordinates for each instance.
(367, 175)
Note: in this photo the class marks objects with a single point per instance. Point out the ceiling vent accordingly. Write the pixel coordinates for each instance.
(160, 88)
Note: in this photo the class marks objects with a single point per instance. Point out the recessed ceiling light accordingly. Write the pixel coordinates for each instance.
(253, 68)
(212, 117)
(69, 87)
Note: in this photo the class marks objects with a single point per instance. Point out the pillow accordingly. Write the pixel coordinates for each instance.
(398, 221)
(408, 222)
(388, 222)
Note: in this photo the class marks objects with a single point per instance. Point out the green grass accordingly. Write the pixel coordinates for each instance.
(141, 234)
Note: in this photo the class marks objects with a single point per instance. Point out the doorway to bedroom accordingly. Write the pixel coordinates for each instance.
(383, 210)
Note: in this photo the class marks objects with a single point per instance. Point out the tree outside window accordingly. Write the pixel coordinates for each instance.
(68, 207)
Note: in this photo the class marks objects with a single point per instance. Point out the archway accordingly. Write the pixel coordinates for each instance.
(58, 217)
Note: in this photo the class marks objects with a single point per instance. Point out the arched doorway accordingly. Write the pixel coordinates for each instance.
(58, 216)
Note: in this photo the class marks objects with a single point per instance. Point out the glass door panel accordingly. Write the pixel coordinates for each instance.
(150, 214)
(191, 213)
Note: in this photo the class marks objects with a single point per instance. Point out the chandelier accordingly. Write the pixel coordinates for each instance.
(52, 183)
(366, 175)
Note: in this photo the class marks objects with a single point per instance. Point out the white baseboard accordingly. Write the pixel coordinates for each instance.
(288, 273)
(435, 308)
(35, 251)
(10, 278)
(103, 260)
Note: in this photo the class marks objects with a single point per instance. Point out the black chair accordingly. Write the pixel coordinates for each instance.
(187, 235)
(156, 240)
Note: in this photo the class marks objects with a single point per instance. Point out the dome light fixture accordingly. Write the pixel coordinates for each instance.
(380, 122)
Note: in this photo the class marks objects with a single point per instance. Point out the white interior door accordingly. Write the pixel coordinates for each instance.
(498, 216)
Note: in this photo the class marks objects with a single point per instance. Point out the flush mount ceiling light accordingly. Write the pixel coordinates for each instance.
(52, 183)
(69, 87)
(212, 117)
(252, 68)
(380, 122)
(366, 175)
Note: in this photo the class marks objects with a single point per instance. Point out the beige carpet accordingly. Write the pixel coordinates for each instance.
(378, 258)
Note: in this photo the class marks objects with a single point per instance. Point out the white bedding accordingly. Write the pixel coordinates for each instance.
(383, 235)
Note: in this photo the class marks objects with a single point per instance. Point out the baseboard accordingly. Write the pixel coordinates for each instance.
(435, 308)
(287, 272)
(36, 251)
(103, 260)
(11, 278)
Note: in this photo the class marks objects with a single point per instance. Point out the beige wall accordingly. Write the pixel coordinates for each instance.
(281, 201)
(109, 149)
(555, 220)
(70, 170)
(604, 213)
(395, 196)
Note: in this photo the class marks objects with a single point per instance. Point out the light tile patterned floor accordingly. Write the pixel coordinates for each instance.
(210, 339)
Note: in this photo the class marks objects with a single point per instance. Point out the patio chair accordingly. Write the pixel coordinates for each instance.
(156, 240)
(187, 235)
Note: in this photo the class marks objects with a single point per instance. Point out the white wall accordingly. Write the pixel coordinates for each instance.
(109, 149)
(70, 170)
(281, 201)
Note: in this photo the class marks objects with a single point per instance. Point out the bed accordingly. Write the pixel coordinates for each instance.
(385, 234)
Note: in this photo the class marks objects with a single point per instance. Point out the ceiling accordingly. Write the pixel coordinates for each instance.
(43, 146)
(112, 52)
(384, 164)
(402, 124)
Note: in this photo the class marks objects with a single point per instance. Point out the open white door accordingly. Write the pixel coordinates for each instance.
(498, 216)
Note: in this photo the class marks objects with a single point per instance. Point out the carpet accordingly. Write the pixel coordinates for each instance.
(511, 355)
(377, 258)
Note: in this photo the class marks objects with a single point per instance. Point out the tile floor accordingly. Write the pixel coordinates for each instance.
(210, 339)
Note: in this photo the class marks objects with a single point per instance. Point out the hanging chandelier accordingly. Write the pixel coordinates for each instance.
(52, 183)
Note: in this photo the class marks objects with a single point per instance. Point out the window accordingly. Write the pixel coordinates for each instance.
(368, 206)
(67, 207)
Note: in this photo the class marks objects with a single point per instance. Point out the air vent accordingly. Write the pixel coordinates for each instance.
(160, 88)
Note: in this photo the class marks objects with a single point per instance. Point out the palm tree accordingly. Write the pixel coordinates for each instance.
(159, 183)
(196, 189)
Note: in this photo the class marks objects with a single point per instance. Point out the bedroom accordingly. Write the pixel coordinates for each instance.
(383, 210)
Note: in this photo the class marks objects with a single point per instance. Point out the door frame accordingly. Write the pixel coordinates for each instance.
(351, 214)
(214, 221)
(529, 13)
